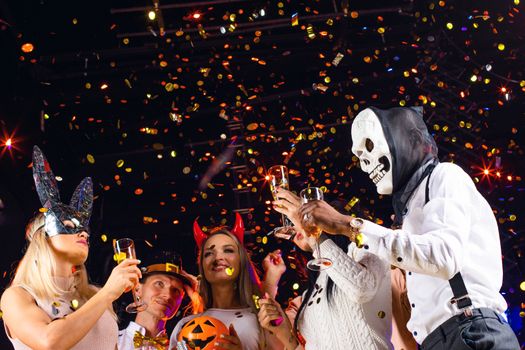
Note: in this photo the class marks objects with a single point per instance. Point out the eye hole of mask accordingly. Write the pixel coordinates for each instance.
(369, 144)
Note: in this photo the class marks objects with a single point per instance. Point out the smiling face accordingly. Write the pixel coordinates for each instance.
(71, 247)
(369, 144)
(163, 293)
(221, 259)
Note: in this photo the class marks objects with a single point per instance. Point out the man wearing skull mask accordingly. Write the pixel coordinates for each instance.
(447, 241)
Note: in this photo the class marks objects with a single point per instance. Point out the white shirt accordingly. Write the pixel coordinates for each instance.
(244, 321)
(455, 231)
(125, 336)
(103, 334)
(358, 315)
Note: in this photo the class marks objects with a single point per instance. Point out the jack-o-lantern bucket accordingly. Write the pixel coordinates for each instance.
(202, 332)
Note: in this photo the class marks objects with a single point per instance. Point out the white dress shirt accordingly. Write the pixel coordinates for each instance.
(455, 231)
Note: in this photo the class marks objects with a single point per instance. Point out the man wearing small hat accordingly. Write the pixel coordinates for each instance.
(162, 288)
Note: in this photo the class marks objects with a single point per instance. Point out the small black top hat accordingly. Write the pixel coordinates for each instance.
(166, 262)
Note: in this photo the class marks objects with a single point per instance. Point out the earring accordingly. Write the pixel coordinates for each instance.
(198, 284)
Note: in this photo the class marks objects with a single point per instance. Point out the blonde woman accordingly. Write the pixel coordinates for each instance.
(50, 303)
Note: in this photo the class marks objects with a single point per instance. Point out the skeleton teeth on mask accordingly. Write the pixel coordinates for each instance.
(380, 170)
(377, 174)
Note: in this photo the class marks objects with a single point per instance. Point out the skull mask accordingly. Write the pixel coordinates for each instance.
(369, 144)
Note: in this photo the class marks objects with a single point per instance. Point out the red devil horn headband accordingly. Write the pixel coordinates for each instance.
(238, 231)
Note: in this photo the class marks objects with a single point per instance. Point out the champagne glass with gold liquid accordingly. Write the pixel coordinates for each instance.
(125, 249)
(278, 178)
(316, 264)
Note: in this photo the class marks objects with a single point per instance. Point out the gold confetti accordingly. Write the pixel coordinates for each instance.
(310, 31)
(252, 126)
(74, 304)
(256, 301)
(119, 257)
(337, 59)
(359, 240)
(90, 158)
(229, 271)
(351, 203)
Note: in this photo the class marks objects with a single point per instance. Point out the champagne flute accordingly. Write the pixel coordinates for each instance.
(278, 175)
(125, 249)
(316, 264)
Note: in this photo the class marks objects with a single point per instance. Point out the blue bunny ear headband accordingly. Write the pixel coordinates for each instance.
(79, 209)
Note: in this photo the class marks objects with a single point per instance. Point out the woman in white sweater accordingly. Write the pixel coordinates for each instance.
(348, 306)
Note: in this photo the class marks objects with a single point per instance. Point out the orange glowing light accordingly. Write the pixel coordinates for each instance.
(196, 15)
(104, 86)
(9, 143)
(27, 47)
(487, 172)
(503, 90)
(267, 177)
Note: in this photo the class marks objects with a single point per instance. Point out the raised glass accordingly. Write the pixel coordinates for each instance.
(125, 249)
(316, 264)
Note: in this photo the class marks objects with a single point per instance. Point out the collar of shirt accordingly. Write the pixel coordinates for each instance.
(135, 327)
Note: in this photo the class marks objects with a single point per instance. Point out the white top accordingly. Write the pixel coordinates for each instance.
(103, 335)
(126, 335)
(455, 231)
(359, 313)
(244, 321)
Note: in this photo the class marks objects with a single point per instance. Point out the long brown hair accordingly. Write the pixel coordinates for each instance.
(248, 283)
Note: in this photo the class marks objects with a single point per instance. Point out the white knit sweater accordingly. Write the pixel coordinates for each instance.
(359, 313)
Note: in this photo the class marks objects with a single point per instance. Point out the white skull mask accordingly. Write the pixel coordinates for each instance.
(369, 144)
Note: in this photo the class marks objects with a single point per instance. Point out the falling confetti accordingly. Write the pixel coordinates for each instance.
(286, 80)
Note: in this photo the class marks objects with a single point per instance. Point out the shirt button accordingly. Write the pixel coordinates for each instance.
(399, 259)
(413, 305)
(366, 246)
(415, 333)
(409, 273)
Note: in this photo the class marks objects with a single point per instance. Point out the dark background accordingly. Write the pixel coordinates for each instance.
(270, 90)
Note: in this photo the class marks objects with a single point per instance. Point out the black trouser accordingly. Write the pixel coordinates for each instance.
(485, 329)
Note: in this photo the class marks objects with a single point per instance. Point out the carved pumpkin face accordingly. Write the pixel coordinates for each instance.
(202, 332)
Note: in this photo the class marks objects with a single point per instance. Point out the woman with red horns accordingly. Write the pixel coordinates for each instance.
(229, 287)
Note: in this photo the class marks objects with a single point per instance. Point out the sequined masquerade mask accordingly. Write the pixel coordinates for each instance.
(78, 212)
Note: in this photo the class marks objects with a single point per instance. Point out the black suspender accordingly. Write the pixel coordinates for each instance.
(459, 290)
